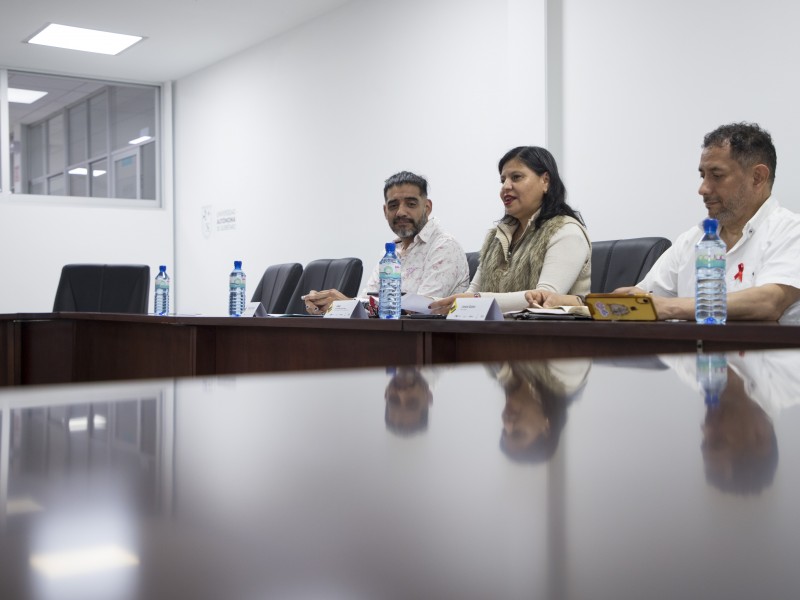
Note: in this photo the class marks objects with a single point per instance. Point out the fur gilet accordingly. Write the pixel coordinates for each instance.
(507, 270)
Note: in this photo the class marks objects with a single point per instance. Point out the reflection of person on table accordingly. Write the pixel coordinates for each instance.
(408, 397)
(740, 448)
(537, 396)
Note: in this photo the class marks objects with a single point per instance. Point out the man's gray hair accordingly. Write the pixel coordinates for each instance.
(749, 143)
(406, 177)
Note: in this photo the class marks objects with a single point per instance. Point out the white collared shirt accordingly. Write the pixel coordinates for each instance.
(434, 264)
(767, 252)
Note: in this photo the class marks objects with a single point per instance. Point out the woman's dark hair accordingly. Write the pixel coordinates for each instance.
(540, 161)
(554, 407)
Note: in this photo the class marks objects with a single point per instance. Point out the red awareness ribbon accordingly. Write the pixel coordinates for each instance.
(741, 271)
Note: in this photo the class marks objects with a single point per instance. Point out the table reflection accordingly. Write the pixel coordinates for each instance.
(538, 394)
(611, 479)
(740, 446)
(408, 397)
(80, 467)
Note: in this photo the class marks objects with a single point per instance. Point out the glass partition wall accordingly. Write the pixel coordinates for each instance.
(83, 138)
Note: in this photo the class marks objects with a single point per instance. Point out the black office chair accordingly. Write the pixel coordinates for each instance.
(473, 260)
(620, 263)
(343, 274)
(103, 288)
(277, 285)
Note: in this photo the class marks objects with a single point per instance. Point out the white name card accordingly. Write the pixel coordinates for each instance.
(475, 309)
(346, 309)
(254, 309)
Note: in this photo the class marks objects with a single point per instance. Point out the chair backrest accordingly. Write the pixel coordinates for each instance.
(103, 288)
(343, 274)
(473, 259)
(620, 263)
(277, 285)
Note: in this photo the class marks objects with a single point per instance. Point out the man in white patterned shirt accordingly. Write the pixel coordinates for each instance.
(432, 262)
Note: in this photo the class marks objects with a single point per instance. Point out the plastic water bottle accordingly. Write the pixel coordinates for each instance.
(389, 294)
(237, 290)
(710, 298)
(161, 303)
(712, 375)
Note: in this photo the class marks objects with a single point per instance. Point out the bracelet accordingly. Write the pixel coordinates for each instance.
(581, 299)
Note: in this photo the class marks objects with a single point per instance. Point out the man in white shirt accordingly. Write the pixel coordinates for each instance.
(737, 167)
(433, 263)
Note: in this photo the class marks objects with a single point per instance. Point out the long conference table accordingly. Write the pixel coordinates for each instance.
(77, 347)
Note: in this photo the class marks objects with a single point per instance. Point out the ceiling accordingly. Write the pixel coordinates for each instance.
(181, 36)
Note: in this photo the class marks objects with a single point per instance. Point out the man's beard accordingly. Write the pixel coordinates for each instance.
(409, 228)
(728, 213)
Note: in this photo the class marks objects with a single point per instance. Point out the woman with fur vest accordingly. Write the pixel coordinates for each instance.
(541, 243)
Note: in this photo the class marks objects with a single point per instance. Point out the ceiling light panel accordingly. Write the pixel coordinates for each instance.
(24, 96)
(87, 40)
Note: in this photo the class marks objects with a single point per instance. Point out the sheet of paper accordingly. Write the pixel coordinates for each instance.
(416, 303)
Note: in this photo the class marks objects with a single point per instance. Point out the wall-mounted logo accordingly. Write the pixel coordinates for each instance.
(207, 221)
(226, 219)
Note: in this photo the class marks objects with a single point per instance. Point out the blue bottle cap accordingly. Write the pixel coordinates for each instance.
(163, 268)
(710, 226)
(237, 264)
(390, 247)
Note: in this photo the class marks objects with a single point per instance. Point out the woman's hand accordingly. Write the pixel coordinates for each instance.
(442, 306)
(547, 299)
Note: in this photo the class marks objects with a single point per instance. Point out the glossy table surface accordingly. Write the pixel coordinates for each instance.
(545, 479)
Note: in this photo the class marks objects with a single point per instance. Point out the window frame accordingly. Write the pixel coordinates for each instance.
(162, 139)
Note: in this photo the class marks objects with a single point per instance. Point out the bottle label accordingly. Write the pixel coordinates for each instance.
(162, 285)
(389, 271)
(237, 282)
(710, 262)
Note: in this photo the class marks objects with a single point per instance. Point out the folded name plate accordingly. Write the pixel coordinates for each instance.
(475, 309)
(346, 309)
(254, 309)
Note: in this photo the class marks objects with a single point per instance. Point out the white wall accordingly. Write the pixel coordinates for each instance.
(644, 81)
(297, 135)
(40, 234)
(37, 239)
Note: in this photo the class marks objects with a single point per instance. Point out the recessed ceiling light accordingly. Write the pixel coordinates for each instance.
(24, 96)
(99, 421)
(140, 140)
(88, 40)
